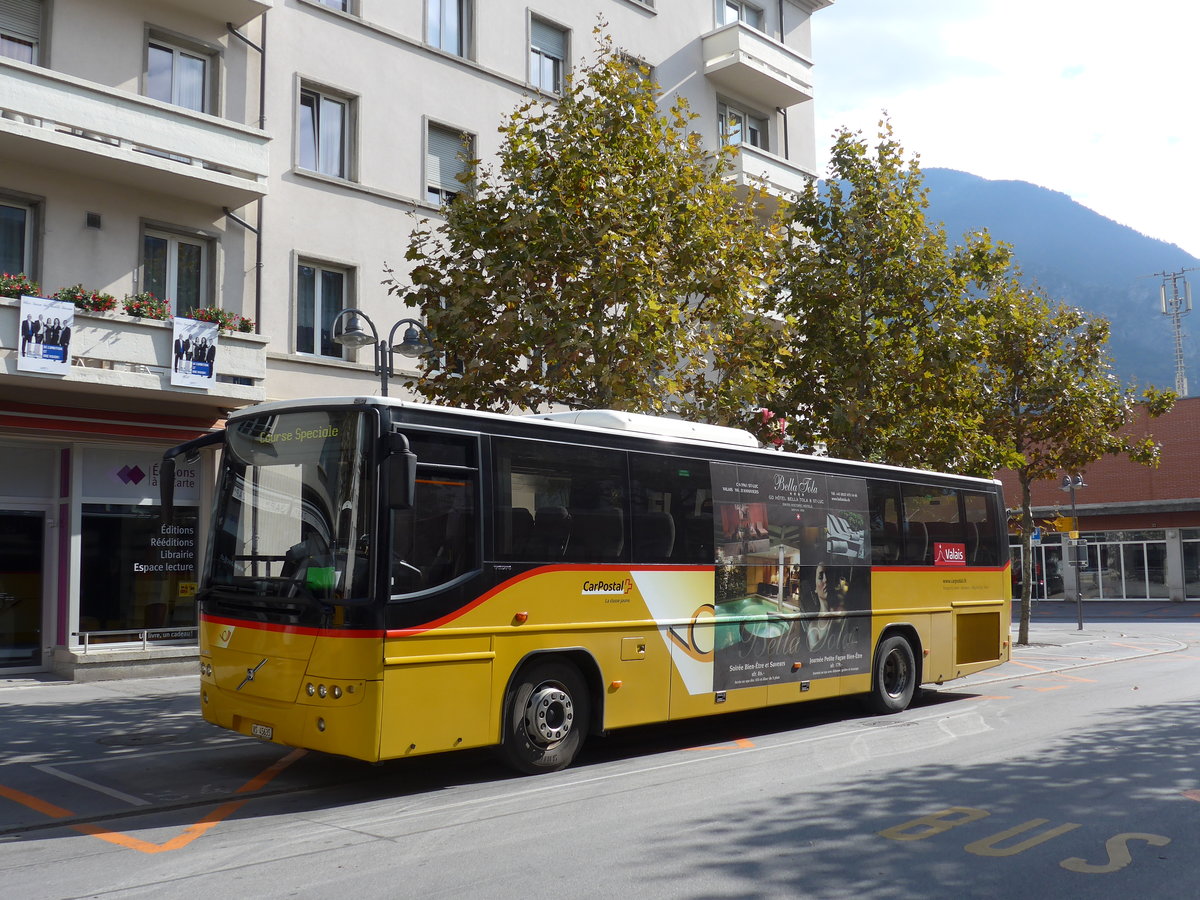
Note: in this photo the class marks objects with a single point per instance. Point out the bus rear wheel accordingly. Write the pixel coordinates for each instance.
(894, 680)
(546, 718)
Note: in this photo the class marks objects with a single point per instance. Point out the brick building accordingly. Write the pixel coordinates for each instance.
(1142, 524)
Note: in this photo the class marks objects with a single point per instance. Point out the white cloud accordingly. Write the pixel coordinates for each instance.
(1095, 100)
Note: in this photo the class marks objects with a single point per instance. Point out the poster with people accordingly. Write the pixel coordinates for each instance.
(792, 570)
(194, 353)
(45, 343)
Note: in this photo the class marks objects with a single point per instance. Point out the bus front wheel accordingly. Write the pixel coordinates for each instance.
(894, 680)
(546, 718)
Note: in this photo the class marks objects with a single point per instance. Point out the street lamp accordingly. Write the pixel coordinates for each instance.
(1071, 483)
(416, 341)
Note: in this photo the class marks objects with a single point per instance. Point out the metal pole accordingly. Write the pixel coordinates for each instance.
(1078, 568)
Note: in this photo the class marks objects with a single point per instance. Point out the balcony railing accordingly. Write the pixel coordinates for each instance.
(67, 123)
(117, 355)
(752, 168)
(748, 63)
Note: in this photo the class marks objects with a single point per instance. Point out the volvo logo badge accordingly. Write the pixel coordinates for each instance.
(250, 673)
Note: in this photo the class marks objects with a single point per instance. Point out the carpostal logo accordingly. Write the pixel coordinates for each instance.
(608, 588)
(949, 554)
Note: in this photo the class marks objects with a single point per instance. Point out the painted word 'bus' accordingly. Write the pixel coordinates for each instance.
(387, 579)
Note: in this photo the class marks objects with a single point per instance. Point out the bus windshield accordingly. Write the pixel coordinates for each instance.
(294, 507)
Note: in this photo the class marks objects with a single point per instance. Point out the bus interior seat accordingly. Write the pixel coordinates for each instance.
(597, 534)
(514, 528)
(653, 537)
(551, 533)
(916, 542)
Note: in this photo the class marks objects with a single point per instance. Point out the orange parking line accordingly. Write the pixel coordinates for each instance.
(28, 800)
(189, 834)
(740, 743)
(1028, 666)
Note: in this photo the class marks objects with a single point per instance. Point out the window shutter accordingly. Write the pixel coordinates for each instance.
(21, 18)
(442, 162)
(548, 39)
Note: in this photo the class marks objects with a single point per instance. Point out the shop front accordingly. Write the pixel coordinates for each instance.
(93, 582)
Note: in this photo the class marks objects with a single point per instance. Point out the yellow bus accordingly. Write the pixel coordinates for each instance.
(386, 579)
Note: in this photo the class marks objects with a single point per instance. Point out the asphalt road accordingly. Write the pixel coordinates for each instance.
(1070, 772)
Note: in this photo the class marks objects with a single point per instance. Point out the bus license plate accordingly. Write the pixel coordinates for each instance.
(262, 732)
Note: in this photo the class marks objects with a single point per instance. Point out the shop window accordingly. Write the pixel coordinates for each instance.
(136, 571)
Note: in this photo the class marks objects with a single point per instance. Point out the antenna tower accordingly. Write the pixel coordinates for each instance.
(1177, 303)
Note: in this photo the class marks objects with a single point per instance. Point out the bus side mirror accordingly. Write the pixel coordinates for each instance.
(401, 472)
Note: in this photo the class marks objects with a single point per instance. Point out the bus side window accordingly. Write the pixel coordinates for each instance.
(559, 502)
(930, 518)
(435, 541)
(983, 531)
(672, 510)
(885, 522)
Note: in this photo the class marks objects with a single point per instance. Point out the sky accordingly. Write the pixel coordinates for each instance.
(1094, 98)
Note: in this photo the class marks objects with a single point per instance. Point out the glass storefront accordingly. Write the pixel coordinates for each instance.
(137, 571)
(1121, 565)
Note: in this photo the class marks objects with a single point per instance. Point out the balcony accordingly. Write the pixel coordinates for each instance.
(58, 121)
(118, 357)
(747, 63)
(235, 12)
(754, 168)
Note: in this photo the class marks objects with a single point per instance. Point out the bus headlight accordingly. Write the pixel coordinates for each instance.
(309, 689)
(322, 691)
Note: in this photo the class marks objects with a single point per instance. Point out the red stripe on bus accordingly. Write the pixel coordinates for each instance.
(541, 570)
(293, 629)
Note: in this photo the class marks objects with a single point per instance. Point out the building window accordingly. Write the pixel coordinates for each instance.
(737, 11)
(320, 296)
(16, 238)
(20, 29)
(447, 153)
(343, 5)
(738, 127)
(174, 268)
(447, 25)
(547, 56)
(324, 133)
(177, 76)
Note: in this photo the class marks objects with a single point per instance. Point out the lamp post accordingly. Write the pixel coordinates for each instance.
(1070, 483)
(416, 341)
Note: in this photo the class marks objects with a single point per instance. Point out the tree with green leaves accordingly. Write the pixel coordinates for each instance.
(880, 364)
(604, 260)
(1052, 400)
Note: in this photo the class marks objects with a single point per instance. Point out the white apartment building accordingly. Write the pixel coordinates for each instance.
(265, 157)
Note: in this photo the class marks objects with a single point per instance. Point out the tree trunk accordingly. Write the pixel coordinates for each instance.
(1027, 573)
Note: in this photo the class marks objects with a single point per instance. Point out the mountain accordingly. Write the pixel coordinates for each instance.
(1082, 258)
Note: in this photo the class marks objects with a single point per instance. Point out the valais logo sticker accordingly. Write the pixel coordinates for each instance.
(949, 554)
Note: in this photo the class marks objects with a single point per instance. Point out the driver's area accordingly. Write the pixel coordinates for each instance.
(437, 539)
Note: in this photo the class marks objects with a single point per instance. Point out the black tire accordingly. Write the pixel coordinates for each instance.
(547, 715)
(894, 679)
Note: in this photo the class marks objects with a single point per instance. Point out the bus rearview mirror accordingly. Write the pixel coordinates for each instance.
(401, 472)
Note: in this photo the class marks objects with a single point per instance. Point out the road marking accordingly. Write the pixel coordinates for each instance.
(1073, 677)
(83, 782)
(740, 742)
(1042, 690)
(189, 834)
